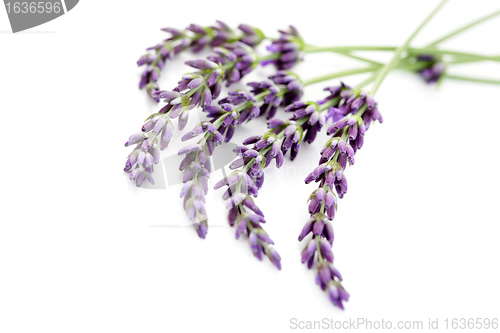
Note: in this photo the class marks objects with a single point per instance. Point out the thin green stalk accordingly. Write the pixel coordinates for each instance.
(361, 58)
(327, 105)
(344, 49)
(272, 56)
(397, 54)
(341, 74)
(406, 67)
(470, 25)
(453, 53)
(471, 79)
(311, 48)
(424, 50)
(464, 60)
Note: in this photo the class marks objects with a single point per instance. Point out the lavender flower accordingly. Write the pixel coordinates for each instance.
(434, 69)
(287, 49)
(353, 112)
(196, 38)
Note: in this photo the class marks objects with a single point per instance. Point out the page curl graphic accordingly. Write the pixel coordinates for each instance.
(27, 14)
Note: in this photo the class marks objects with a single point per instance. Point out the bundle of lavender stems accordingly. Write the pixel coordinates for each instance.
(345, 112)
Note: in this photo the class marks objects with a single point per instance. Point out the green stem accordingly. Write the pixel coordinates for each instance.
(318, 247)
(464, 60)
(360, 58)
(409, 67)
(344, 49)
(340, 74)
(468, 26)
(312, 48)
(471, 79)
(469, 56)
(326, 105)
(397, 54)
(272, 56)
(424, 50)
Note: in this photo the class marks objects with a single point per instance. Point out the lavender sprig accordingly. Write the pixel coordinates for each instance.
(287, 49)
(242, 185)
(358, 110)
(196, 38)
(238, 107)
(196, 169)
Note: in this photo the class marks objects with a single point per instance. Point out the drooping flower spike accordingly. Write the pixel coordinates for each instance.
(194, 37)
(244, 183)
(354, 114)
(196, 169)
(237, 108)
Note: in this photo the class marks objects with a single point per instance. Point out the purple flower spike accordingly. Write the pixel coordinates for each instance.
(196, 170)
(352, 112)
(287, 48)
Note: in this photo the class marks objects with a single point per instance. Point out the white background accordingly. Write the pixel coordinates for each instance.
(83, 250)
